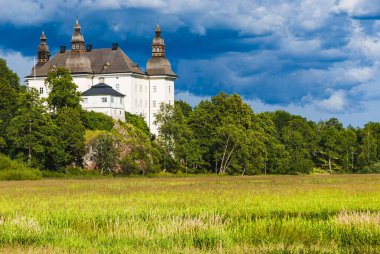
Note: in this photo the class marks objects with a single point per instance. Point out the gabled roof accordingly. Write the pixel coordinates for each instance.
(102, 89)
(103, 61)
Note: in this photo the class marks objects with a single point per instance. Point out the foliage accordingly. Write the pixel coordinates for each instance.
(137, 121)
(62, 90)
(106, 153)
(70, 135)
(8, 77)
(140, 154)
(96, 121)
(15, 170)
(32, 134)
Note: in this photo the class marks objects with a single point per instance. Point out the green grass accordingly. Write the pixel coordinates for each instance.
(260, 214)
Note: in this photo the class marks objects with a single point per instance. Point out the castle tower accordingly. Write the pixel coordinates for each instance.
(78, 61)
(158, 64)
(77, 40)
(43, 51)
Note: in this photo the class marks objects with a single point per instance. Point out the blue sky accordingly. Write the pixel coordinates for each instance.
(316, 58)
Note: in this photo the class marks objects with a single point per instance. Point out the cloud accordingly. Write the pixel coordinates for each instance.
(358, 8)
(18, 63)
(312, 55)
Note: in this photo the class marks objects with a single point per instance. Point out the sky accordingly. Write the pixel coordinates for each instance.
(316, 58)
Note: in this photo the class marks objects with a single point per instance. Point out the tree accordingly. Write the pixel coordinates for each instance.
(300, 141)
(31, 133)
(63, 91)
(70, 133)
(106, 152)
(329, 143)
(9, 95)
(96, 121)
(9, 77)
(137, 121)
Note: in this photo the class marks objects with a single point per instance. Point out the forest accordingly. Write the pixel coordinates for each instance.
(222, 135)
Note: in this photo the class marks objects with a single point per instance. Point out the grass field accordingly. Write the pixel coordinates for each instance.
(260, 214)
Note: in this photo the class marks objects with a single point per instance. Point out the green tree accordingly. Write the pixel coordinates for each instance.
(70, 133)
(9, 95)
(62, 90)
(9, 77)
(96, 121)
(106, 153)
(137, 121)
(31, 133)
(300, 141)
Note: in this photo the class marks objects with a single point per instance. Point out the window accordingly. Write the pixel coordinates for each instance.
(85, 100)
(104, 99)
(170, 103)
(140, 88)
(154, 104)
(112, 100)
(41, 90)
(135, 87)
(154, 89)
(136, 102)
(169, 89)
(117, 87)
(121, 100)
(120, 112)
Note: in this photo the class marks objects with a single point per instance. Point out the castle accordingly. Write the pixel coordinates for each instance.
(110, 82)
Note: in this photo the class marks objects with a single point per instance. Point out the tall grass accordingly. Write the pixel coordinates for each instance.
(292, 214)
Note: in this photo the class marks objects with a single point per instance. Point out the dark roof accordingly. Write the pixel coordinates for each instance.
(103, 61)
(102, 89)
(158, 65)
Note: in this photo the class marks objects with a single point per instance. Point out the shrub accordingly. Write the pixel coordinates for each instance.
(15, 170)
(12, 174)
(96, 121)
(372, 169)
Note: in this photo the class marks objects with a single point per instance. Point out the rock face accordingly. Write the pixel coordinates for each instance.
(127, 140)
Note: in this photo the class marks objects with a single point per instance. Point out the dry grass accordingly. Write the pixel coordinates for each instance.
(261, 214)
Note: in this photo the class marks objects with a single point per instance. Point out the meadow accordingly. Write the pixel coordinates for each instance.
(203, 214)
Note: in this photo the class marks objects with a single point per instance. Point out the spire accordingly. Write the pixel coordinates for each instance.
(158, 64)
(43, 51)
(77, 40)
(78, 61)
(158, 45)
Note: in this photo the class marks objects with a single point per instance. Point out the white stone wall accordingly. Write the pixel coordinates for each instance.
(114, 106)
(143, 95)
(161, 91)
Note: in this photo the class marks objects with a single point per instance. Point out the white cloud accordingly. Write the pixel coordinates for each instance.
(358, 7)
(18, 63)
(336, 103)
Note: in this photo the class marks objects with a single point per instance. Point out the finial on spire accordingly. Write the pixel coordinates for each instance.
(43, 36)
(77, 26)
(158, 30)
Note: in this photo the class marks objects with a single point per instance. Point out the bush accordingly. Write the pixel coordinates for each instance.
(372, 169)
(137, 121)
(29, 174)
(96, 121)
(15, 170)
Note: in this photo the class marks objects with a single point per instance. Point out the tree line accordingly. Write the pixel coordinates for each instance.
(221, 135)
(224, 135)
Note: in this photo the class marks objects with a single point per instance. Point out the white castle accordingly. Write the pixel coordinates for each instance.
(110, 82)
